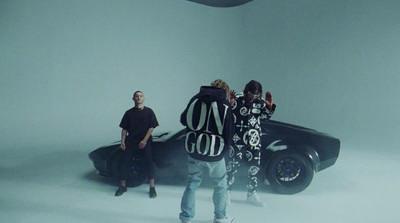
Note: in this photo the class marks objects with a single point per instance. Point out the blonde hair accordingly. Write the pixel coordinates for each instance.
(221, 84)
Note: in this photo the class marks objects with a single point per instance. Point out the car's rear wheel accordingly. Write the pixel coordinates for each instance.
(289, 172)
(136, 171)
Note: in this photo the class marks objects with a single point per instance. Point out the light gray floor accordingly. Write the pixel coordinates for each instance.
(54, 185)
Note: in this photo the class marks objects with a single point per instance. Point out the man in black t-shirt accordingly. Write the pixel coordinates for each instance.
(137, 126)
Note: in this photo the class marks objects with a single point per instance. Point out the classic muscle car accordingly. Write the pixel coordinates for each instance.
(290, 156)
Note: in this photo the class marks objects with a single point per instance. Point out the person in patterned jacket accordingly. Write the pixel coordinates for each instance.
(247, 111)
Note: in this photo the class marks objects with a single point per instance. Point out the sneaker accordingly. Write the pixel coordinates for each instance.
(227, 219)
(120, 191)
(152, 192)
(254, 199)
(228, 197)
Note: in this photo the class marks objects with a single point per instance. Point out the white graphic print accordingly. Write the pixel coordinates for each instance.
(242, 126)
(249, 155)
(213, 144)
(234, 105)
(250, 147)
(255, 148)
(231, 181)
(205, 116)
(253, 121)
(251, 137)
(257, 106)
(244, 111)
(231, 151)
(254, 170)
(240, 147)
(235, 138)
(256, 109)
(255, 180)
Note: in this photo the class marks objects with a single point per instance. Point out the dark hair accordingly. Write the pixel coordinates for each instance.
(252, 86)
(136, 92)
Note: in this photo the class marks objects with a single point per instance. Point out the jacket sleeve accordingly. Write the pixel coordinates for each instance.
(229, 130)
(266, 113)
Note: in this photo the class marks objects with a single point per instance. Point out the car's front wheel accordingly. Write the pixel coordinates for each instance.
(289, 172)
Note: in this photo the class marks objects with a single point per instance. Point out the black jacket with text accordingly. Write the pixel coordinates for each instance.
(209, 124)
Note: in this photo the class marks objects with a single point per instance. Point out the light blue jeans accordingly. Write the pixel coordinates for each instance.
(217, 173)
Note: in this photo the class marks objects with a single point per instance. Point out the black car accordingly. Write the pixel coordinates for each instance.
(290, 156)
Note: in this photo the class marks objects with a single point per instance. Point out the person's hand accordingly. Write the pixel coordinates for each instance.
(268, 100)
(123, 146)
(142, 144)
(232, 96)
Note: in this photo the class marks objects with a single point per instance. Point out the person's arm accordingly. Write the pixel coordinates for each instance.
(143, 143)
(269, 101)
(232, 96)
(123, 137)
(269, 106)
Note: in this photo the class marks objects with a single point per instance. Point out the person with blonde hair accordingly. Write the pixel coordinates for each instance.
(221, 84)
(209, 129)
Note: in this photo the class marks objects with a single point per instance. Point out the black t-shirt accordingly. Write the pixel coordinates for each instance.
(137, 122)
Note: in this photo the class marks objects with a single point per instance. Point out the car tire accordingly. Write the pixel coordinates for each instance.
(136, 174)
(289, 172)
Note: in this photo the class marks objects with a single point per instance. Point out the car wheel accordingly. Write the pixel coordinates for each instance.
(289, 172)
(136, 171)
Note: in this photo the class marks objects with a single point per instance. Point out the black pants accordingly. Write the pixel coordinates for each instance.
(249, 154)
(134, 151)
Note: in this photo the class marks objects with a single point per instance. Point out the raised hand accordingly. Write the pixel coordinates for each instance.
(232, 96)
(268, 100)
